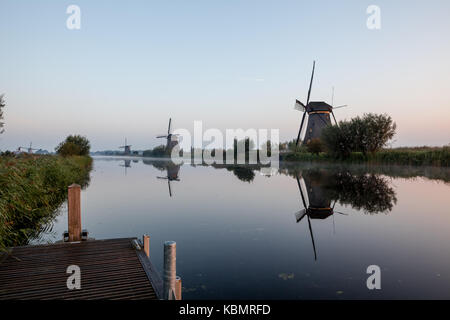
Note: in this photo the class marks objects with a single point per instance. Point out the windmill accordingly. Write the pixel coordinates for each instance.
(172, 175)
(29, 149)
(126, 148)
(171, 138)
(318, 207)
(318, 114)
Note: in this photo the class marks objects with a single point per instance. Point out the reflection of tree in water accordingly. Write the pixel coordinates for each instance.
(160, 165)
(242, 173)
(368, 192)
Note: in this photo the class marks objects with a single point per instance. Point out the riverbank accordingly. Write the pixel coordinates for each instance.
(419, 156)
(32, 188)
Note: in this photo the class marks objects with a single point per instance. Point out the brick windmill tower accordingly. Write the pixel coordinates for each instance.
(318, 115)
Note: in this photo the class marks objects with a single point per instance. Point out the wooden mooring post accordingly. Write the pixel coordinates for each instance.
(146, 245)
(171, 283)
(178, 288)
(74, 212)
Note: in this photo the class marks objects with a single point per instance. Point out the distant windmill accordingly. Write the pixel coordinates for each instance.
(318, 206)
(172, 175)
(318, 114)
(126, 148)
(29, 149)
(171, 141)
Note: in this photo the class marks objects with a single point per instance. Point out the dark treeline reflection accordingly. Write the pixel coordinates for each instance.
(368, 192)
(363, 188)
(244, 173)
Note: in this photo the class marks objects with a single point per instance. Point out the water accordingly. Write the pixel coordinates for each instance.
(238, 237)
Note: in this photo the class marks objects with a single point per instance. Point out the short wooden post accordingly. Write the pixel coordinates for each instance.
(146, 242)
(170, 270)
(178, 288)
(74, 212)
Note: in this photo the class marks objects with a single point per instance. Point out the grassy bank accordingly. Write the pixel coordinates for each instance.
(421, 156)
(32, 188)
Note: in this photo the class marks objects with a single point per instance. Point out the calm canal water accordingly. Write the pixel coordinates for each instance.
(244, 235)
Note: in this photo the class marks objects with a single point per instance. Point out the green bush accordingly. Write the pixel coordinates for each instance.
(74, 145)
(159, 151)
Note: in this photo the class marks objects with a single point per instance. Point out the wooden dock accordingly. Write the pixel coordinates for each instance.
(109, 269)
(83, 269)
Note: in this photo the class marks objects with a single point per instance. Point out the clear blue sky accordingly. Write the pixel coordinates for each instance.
(229, 63)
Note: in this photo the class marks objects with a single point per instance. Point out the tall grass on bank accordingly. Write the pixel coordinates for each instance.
(32, 188)
(423, 156)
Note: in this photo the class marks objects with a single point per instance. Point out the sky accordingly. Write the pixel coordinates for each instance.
(231, 64)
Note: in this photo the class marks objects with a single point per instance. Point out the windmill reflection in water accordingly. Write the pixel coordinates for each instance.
(126, 164)
(172, 174)
(316, 205)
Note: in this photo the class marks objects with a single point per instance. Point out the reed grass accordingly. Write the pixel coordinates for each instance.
(32, 188)
(417, 156)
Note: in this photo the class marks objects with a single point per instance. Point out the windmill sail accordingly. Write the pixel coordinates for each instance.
(299, 106)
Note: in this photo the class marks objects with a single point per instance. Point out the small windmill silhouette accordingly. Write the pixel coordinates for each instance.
(126, 148)
(29, 149)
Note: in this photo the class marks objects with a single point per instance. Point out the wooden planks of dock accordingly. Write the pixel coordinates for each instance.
(109, 269)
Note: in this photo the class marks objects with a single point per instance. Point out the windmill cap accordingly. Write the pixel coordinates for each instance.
(318, 106)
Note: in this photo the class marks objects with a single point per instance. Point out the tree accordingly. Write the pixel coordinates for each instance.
(375, 130)
(369, 133)
(338, 140)
(2, 105)
(246, 145)
(74, 145)
(159, 151)
(268, 147)
(315, 146)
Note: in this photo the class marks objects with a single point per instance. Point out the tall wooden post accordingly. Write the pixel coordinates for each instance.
(178, 288)
(146, 241)
(74, 212)
(170, 270)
